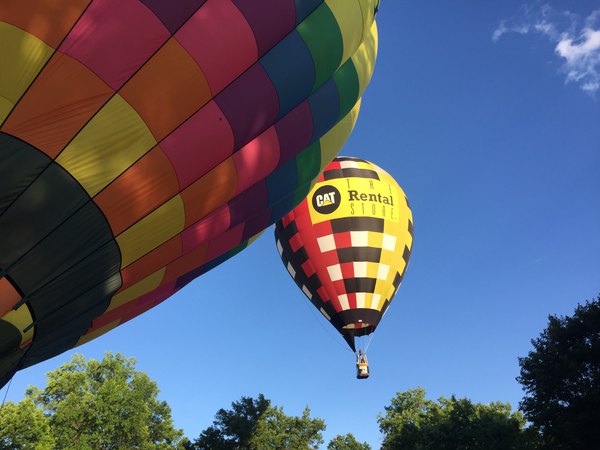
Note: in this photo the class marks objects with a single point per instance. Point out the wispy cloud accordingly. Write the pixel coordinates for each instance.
(576, 40)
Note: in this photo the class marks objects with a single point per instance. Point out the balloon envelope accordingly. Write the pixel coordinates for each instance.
(347, 245)
(143, 142)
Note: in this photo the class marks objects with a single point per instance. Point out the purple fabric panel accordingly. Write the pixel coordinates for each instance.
(270, 20)
(250, 104)
(173, 13)
(294, 132)
(248, 203)
(257, 223)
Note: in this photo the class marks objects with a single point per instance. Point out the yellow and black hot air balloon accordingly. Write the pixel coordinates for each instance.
(143, 142)
(347, 245)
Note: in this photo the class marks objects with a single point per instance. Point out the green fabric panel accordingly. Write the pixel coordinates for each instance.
(308, 163)
(348, 85)
(323, 37)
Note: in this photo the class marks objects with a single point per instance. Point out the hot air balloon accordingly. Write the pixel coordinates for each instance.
(347, 246)
(143, 142)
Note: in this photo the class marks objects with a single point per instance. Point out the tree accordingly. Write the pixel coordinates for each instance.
(24, 427)
(412, 422)
(347, 442)
(105, 405)
(254, 424)
(234, 428)
(561, 380)
(278, 431)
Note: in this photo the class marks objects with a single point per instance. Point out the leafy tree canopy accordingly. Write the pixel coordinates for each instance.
(24, 427)
(413, 422)
(104, 404)
(255, 424)
(347, 442)
(561, 379)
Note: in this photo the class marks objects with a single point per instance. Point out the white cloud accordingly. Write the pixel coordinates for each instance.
(577, 41)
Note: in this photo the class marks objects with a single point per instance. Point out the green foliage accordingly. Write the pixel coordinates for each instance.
(413, 422)
(234, 428)
(254, 424)
(278, 431)
(561, 379)
(105, 405)
(347, 442)
(24, 427)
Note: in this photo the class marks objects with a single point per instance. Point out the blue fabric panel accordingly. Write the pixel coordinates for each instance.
(292, 71)
(325, 107)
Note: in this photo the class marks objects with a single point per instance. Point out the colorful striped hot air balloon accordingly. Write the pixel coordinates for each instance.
(347, 245)
(143, 142)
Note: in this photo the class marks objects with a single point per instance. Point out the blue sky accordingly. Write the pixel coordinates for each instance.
(487, 113)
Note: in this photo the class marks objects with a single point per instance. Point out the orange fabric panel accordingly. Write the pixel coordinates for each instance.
(167, 90)
(209, 192)
(145, 186)
(150, 263)
(58, 104)
(51, 21)
(186, 263)
(8, 296)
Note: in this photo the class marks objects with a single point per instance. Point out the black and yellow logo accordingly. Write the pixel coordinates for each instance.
(326, 199)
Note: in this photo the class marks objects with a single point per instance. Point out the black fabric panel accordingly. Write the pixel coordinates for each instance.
(9, 364)
(349, 338)
(73, 292)
(10, 338)
(352, 172)
(285, 234)
(62, 329)
(49, 200)
(299, 258)
(397, 280)
(79, 236)
(332, 174)
(20, 164)
(346, 224)
(328, 308)
(411, 229)
(406, 254)
(354, 285)
(351, 254)
(57, 249)
(313, 282)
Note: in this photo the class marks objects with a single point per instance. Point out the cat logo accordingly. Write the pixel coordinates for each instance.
(326, 199)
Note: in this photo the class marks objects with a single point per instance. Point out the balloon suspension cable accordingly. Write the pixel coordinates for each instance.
(327, 330)
(6, 393)
(369, 342)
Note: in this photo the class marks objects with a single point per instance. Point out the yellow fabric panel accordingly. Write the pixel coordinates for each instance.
(375, 239)
(96, 333)
(381, 301)
(255, 237)
(349, 18)
(154, 229)
(140, 288)
(27, 55)
(372, 269)
(21, 319)
(364, 58)
(367, 8)
(113, 140)
(333, 141)
(368, 300)
(6, 107)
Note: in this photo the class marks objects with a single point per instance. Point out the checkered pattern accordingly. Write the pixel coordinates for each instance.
(350, 268)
